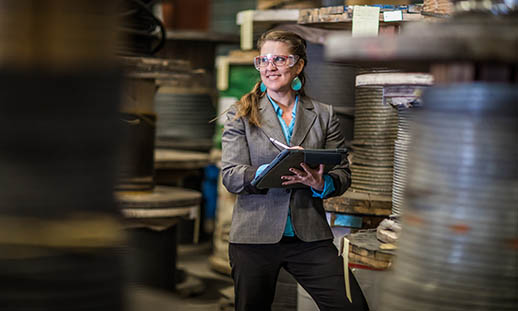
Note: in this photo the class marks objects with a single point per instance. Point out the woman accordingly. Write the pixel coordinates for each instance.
(281, 227)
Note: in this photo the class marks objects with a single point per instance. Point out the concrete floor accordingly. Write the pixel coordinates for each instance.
(193, 259)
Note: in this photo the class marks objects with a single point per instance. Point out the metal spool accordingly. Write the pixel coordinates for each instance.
(375, 130)
(184, 118)
(405, 97)
(332, 84)
(59, 235)
(138, 121)
(458, 246)
(136, 169)
(151, 219)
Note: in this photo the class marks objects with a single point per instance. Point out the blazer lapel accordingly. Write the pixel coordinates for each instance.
(269, 121)
(303, 122)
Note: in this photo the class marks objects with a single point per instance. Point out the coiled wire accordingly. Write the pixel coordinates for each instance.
(459, 245)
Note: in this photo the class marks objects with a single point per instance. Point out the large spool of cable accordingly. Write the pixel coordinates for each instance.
(185, 115)
(138, 121)
(332, 84)
(375, 130)
(458, 247)
(403, 93)
(59, 233)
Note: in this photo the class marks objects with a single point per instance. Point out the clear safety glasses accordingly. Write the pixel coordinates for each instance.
(277, 60)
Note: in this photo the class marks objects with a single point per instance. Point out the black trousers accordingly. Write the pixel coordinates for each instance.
(315, 265)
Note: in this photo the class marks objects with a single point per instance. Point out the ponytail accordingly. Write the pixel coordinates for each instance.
(248, 105)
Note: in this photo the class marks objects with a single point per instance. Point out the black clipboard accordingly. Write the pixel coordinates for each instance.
(270, 177)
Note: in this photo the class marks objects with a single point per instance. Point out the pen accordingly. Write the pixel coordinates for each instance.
(275, 141)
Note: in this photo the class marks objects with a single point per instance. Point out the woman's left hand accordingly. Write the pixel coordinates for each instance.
(309, 177)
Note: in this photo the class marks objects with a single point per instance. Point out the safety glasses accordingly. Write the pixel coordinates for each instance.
(262, 61)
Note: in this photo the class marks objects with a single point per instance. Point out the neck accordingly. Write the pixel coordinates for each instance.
(283, 99)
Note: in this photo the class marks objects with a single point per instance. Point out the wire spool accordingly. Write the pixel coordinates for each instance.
(151, 219)
(375, 130)
(138, 120)
(332, 84)
(458, 246)
(402, 146)
(403, 93)
(184, 118)
(59, 235)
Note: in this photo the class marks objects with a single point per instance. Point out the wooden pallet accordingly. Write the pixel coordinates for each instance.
(365, 249)
(360, 203)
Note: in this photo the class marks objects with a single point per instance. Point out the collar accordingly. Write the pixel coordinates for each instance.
(278, 109)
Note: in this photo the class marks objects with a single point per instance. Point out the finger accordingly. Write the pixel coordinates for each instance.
(306, 168)
(296, 148)
(291, 182)
(296, 172)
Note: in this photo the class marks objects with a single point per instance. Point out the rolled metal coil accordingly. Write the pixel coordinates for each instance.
(184, 117)
(375, 129)
(458, 247)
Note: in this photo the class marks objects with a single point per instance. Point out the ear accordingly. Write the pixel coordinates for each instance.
(300, 66)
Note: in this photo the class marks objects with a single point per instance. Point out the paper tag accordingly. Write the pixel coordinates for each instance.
(222, 72)
(393, 16)
(247, 30)
(345, 256)
(365, 21)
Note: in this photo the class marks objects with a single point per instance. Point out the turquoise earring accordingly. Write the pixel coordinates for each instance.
(263, 87)
(296, 84)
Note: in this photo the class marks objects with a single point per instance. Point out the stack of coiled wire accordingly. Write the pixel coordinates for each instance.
(375, 129)
(458, 247)
(184, 121)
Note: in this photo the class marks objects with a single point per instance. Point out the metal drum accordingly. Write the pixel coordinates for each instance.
(184, 118)
(458, 247)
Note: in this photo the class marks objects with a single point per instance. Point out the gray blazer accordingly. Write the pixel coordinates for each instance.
(260, 217)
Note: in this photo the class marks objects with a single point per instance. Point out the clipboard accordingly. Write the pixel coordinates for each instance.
(270, 177)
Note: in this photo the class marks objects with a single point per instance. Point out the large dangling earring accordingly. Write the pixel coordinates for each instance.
(263, 87)
(296, 84)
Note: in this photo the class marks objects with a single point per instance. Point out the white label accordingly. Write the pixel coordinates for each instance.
(365, 21)
(393, 16)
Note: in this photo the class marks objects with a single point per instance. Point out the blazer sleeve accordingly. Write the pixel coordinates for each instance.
(341, 174)
(237, 171)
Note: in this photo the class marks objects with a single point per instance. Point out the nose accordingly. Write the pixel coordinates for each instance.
(271, 65)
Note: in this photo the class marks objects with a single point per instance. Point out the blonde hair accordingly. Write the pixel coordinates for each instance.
(247, 106)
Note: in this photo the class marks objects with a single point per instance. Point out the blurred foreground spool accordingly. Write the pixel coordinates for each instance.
(60, 238)
(458, 248)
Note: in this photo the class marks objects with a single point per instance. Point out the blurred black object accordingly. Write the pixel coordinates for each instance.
(143, 33)
(60, 235)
